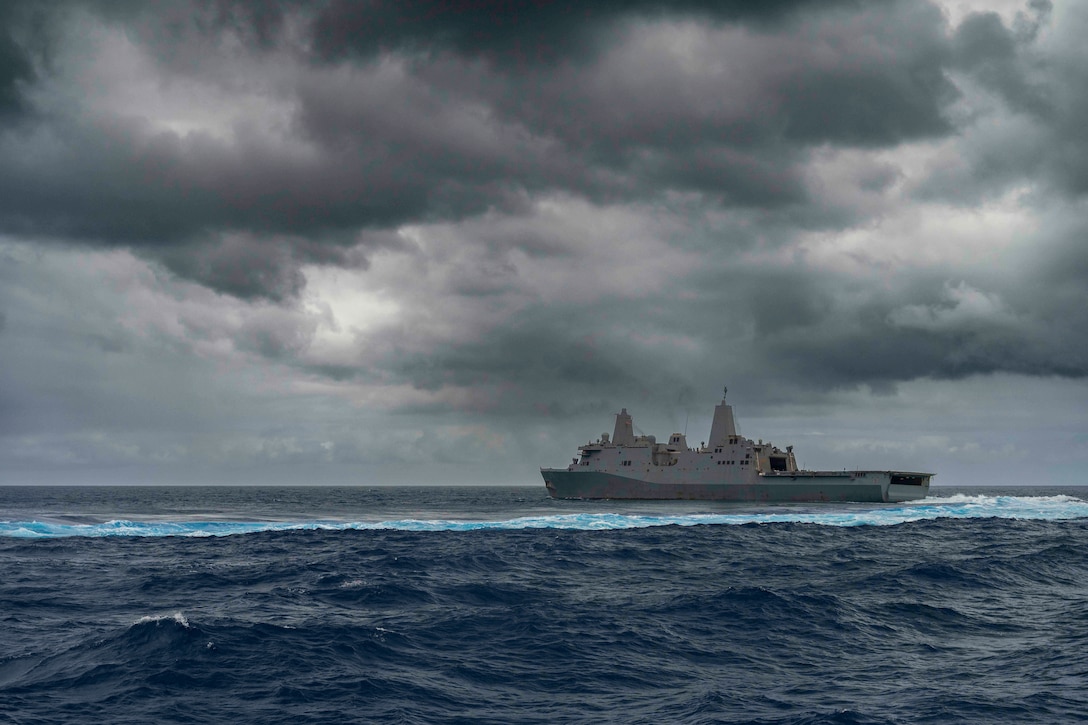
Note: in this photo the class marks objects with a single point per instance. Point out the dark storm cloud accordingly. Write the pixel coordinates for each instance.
(18, 36)
(991, 52)
(15, 71)
(435, 135)
(239, 266)
(416, 113)
(739, 125)
(813, 332)
(547, 357)
(869, 97)
(1044, 142)
(808, 332)
(517, 35)
(612, 112)
(184, 199)
(880, 354)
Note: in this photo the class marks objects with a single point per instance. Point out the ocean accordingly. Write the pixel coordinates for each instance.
(499, 605)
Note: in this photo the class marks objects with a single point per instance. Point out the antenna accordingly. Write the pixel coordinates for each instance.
(725, 391)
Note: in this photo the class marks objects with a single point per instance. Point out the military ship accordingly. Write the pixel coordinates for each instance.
(728, 467)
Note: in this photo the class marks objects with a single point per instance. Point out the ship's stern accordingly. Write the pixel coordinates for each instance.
(907, 486)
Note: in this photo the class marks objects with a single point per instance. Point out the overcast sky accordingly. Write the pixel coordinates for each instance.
(340, 242)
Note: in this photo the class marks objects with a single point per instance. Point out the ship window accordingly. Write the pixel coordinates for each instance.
(778, 463)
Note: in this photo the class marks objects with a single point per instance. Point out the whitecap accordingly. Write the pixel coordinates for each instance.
(176, 617)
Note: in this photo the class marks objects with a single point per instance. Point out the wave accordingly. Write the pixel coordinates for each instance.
(1045, 508)
(176, 618)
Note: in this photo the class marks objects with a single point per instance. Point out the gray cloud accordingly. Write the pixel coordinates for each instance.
(516, 35)
(468, 220)
(984, 47)
(1041, 78)
(16, 59)
(381, 144)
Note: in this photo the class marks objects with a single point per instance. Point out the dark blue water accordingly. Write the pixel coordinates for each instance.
(496, 605)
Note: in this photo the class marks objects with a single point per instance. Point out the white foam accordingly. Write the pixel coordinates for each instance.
(956, 506)
(177, 617)
(352, 584)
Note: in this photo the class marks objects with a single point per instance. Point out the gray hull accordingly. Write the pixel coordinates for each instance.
(796, 486)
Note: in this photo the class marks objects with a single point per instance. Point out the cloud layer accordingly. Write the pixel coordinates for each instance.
(462, 231)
